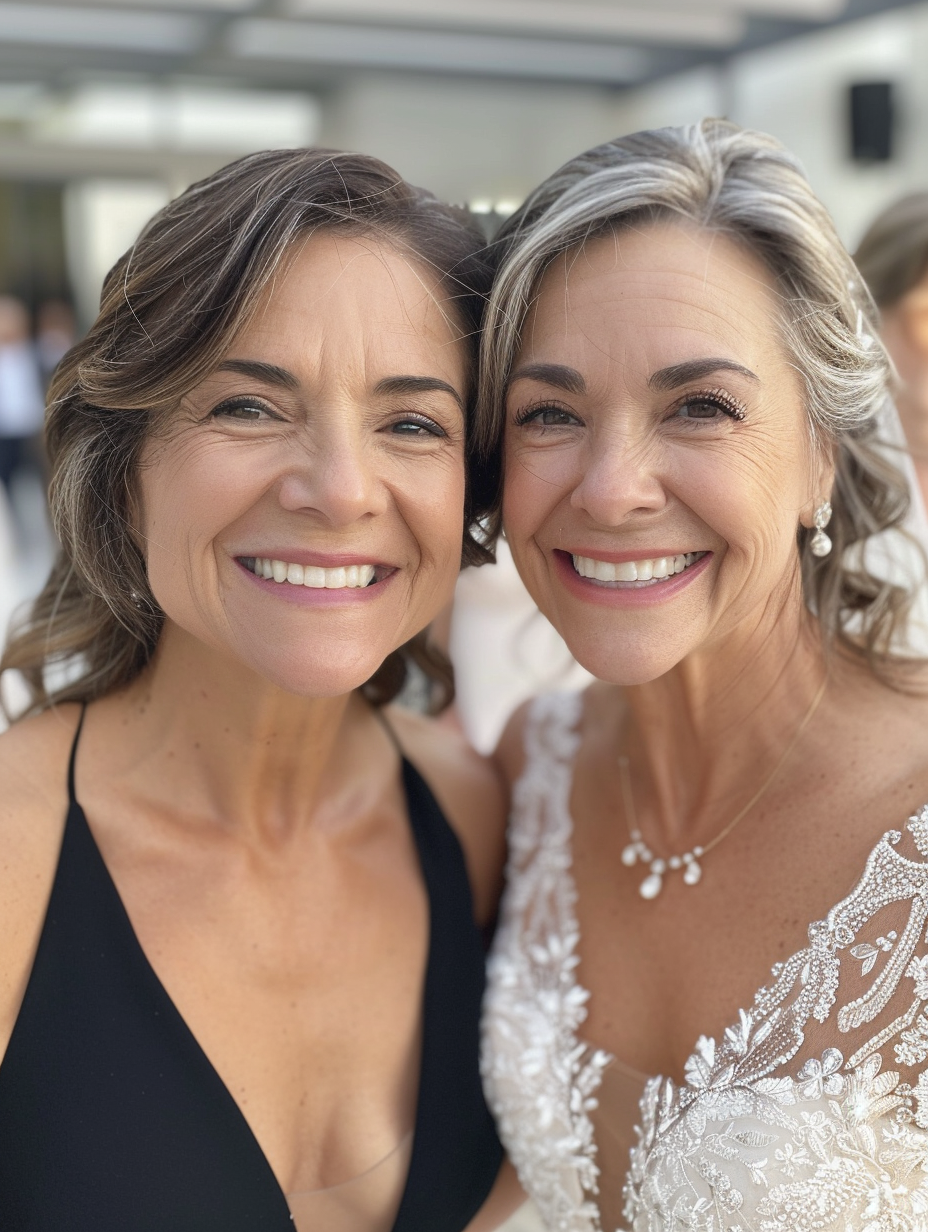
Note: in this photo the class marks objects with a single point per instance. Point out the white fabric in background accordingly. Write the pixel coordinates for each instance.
(503, 650)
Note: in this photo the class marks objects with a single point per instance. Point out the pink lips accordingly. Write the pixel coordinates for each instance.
(622, 596)
(308, 596)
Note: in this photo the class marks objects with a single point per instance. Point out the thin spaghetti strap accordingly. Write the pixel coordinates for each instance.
(388, 728)
(72, 760)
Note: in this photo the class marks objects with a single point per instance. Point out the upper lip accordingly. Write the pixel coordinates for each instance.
(620, 558)
(321, 560)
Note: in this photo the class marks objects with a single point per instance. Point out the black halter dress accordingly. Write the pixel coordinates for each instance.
(112, 1119)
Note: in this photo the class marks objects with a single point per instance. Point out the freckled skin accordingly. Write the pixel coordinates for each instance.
(618, 311)
(702, 692)
(246, 799)
(325, 469)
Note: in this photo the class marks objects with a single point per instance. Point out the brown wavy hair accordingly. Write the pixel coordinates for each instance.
(169, 310)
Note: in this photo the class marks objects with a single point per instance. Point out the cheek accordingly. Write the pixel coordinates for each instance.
(430, 500)
(751, 496)
(186, 498)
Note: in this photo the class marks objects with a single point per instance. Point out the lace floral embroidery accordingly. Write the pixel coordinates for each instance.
(756, 1139)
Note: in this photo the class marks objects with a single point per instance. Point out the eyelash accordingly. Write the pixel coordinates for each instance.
(239, 404)
(421, 421)
(719, 398)
(534, 408)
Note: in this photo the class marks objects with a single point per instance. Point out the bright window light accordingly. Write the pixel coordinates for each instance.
(181, 118)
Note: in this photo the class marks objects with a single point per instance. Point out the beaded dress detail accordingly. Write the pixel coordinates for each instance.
(809, 1113)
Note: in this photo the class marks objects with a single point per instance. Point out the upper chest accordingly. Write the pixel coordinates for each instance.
(299, 976)
(662, 972)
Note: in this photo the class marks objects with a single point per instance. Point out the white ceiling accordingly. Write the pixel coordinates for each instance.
(311, 43)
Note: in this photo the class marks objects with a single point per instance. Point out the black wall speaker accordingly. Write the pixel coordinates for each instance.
(871, 116)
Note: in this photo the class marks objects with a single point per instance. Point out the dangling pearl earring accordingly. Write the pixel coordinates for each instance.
(820, 544)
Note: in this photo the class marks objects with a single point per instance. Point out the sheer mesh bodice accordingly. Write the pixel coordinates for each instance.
(809, 1112)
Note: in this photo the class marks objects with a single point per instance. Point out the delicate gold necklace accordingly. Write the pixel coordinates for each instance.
(689, 861)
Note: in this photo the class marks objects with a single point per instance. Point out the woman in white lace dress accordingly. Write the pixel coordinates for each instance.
(681, 375)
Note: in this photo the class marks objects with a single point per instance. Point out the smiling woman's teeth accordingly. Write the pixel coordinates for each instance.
(312, 575)
(655, 569)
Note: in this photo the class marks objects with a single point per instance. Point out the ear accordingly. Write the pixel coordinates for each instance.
(821, 479)
(913, 313)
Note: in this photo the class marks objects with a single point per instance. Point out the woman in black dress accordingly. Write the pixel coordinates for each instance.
(240, 955)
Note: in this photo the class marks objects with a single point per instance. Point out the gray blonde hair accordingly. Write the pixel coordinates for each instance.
(170, 308)
(749, 187)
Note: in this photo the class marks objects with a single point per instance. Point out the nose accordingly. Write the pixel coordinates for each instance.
(621, 478)
(332, 472)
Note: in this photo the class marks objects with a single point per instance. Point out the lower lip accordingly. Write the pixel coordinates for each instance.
(626, 596)
(318, 596)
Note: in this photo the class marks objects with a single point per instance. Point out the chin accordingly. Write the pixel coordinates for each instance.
(319, 676)
(625, 661)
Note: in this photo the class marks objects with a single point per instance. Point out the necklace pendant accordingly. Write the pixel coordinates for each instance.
(692, 872)
(630, 855)
(651, 886)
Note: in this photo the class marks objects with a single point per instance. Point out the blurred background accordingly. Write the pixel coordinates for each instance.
(109, 108)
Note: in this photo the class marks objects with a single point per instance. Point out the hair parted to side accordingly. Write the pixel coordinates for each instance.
(893, 255)
(749, 187)
(170, 308)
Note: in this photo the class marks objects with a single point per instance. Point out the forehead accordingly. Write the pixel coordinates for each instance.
(356, 292)
(664, 291)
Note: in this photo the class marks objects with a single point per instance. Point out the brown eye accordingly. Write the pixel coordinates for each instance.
(243, 410)
(547, 417)
(708, 407)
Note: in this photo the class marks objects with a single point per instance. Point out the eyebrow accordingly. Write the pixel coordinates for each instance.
(559, 375)
(274, 375)
(259, 371)
(692, 370)
(417, 385)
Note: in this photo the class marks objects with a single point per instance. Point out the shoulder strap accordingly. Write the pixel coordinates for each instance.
(72, 760)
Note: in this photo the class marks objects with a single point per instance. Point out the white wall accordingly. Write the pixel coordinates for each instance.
(798, 92)
(468, 139)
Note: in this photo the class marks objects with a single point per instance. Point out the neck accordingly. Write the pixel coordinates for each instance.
(703, 737)
(203, 733)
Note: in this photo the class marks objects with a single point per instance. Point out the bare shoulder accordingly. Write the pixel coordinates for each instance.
(33, 769)
(33, 802)
(472, 796)
(510, 751)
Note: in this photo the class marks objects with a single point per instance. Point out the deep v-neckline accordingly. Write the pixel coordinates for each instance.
(77, 816)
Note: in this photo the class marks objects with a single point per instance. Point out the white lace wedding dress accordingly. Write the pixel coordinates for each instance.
(810, 1112)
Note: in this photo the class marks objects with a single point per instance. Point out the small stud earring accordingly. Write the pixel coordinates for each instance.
(820, 543)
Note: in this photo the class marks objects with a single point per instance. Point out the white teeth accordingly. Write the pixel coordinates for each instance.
(656, 568)
(350, 577)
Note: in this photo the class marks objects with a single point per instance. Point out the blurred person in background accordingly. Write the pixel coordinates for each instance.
(893, 260)
(22, 403)
(241, 900)
(708, 998)
(55, 334)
